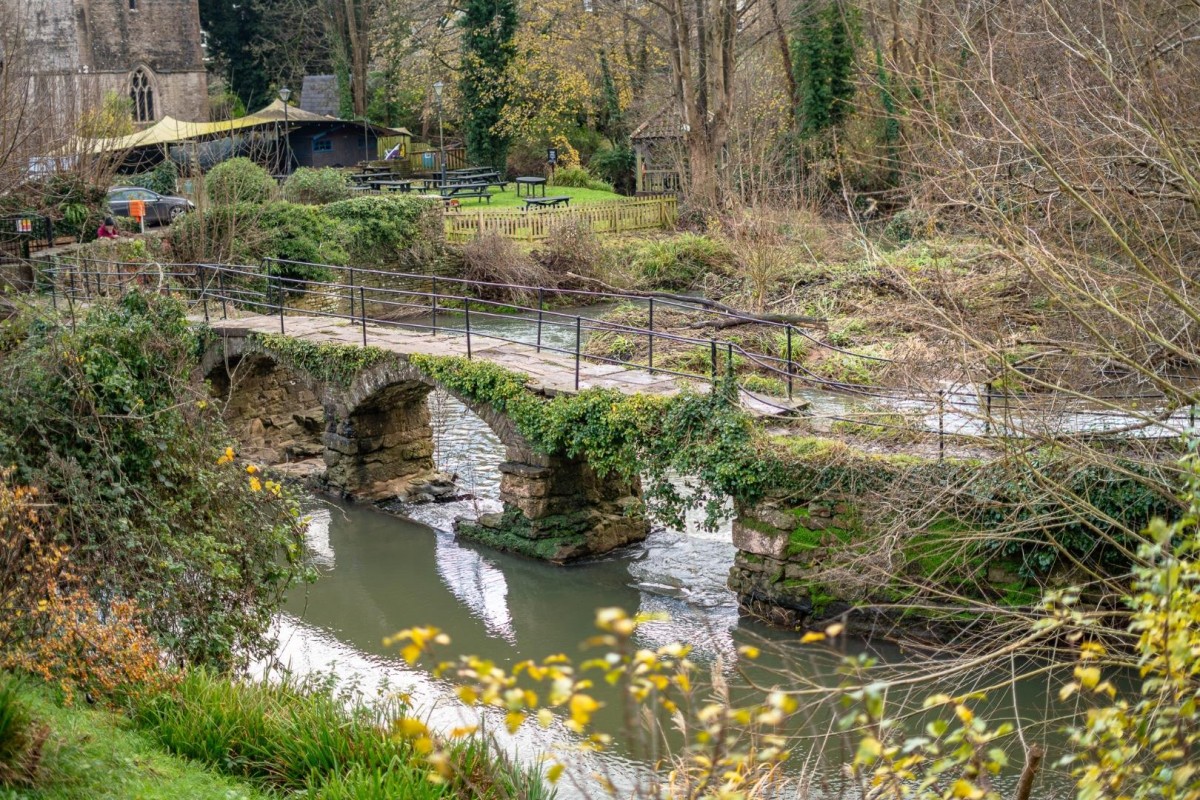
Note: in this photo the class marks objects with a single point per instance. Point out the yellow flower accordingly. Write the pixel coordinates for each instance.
(255, 485)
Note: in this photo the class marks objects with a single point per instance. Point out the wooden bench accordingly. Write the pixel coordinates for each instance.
(484, 195)
(547, 202)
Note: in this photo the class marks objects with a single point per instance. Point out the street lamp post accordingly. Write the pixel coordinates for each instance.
(437, 89)
(284, 94)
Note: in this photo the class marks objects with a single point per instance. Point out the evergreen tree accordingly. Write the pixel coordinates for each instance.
(233, 28)
(823, 61)
(487, 42)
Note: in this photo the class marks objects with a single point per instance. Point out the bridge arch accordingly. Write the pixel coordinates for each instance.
(376, 440)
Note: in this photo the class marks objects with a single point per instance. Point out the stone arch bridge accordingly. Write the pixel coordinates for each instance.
(371, 439)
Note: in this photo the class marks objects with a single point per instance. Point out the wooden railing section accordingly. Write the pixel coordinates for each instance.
(646, 213)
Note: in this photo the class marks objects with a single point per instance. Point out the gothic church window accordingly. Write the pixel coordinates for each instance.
(142, 95)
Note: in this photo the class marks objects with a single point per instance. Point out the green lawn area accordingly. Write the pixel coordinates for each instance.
(96, 755)
(508, 200)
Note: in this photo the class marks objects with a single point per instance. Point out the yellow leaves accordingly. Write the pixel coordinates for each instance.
(812, 636)
(513, 720)
(581, 707)
(465, 730)
(419, 640)
(1088, 677)
(554, 773)
(965, 790)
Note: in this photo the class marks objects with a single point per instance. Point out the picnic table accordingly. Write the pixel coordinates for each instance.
(380, 183)
(547, 202)
(531, 181)
(458, 191)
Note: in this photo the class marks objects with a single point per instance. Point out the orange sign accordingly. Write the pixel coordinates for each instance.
(137, 209)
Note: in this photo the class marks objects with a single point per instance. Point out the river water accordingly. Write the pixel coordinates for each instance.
(382, 572)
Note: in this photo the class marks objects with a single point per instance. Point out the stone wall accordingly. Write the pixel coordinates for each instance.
(276, 417)
(786, 548)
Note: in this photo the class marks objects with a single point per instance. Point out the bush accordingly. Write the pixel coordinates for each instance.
(615, 165)
(374, 230)
(300, 233)
(495, 259)
(238, 180)
(106, 421)
(325, 185)
(911, 224)
(681, 261)
(161, 179)
(571, 247)
(579, 178)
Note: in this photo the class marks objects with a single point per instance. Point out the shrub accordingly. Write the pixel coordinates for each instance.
(31, 563)
(81, 646)
(571, 247)
(615, 165)
(495, 259)
(326, 185)
(161, 179)
(579, 178)
(681, 261)
(238, 180)
(911, 224)
(298, 232)
(106, 421)
(375, 230)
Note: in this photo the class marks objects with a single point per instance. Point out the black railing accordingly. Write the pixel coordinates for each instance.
(447, 306)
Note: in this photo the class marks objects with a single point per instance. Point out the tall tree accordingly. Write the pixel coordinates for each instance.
(488, 28)
(234, 28)
(823, 63)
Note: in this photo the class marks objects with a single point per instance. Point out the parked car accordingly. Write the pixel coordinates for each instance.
(160, 208)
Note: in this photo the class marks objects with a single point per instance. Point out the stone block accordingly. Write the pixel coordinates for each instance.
(527, 471)
(764, 544)
(521, 488)
(775, 517)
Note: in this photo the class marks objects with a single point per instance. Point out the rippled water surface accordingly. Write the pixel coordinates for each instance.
(380, 573)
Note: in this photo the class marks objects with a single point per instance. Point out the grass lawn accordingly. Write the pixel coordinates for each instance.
(95, 755)
(508, 200)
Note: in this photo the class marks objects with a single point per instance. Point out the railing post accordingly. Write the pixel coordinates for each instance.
(729, 359)
(941, 424)
(221, 291)
(650, 359)
(362, 308)
(71, 299)
(987, 419)
(279, 280)
(351, 292)
(789, 361)
(203, 290)
(539, 324)
(1192, 417)
(53, 290)
(578, 342)
(712, 346)
(434, 295)
(467, 322)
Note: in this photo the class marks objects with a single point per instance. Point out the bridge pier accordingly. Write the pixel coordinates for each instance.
(558, 509)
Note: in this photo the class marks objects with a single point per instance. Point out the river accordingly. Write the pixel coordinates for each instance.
(382, 572)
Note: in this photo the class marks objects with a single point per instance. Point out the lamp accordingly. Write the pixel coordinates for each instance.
(437, 90)
(284, 94)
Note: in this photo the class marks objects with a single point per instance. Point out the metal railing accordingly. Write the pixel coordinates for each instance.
(375, 301)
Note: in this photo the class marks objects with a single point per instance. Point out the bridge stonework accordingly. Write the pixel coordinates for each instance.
(375, 443)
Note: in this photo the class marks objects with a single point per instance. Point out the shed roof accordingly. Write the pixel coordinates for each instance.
(663, 125)
(319, 94)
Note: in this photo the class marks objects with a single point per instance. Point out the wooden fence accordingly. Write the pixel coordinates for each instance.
(644, 213)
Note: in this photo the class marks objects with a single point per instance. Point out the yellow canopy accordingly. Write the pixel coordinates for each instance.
(169, 130)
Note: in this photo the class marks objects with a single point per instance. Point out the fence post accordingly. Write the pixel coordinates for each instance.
(941, 424)
(539, 324)
(650, 360)
(987, 419)
(467, 319)
(221, 291)
(712, 346)
(351, 292)
(789, 360)
(1192, 417)
(203, 291)
(53, 290)
(434, 295)
(729, 359)
(362, 308)
(279, 279)
(71, 299)
(578, 329)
